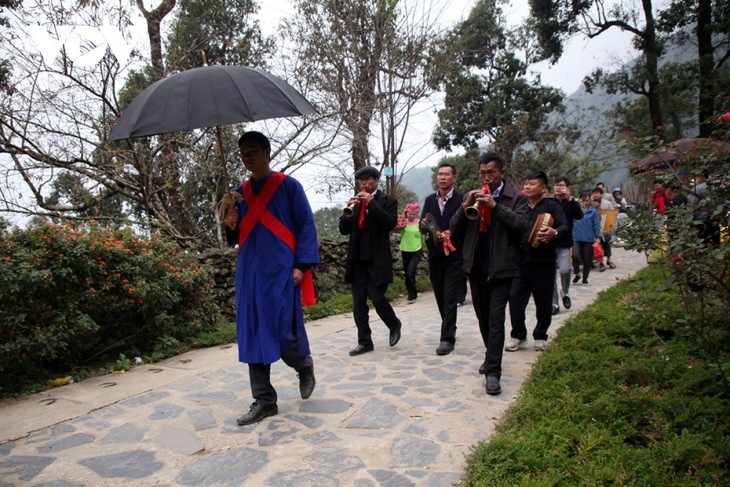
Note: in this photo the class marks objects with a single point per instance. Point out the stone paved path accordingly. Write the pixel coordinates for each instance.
(396, 417)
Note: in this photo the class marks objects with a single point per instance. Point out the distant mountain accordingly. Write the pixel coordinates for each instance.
(419, 180)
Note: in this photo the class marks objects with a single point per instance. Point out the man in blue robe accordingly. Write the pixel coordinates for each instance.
(271, 220)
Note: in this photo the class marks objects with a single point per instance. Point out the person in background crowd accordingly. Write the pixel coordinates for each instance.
(369, 260)
(536, 275)
(675, 195)
(602, 204)
(586, 232)
(621, 204)
(572, 211)
(490, 246)
(660, 197)
(606, 195)
(271, 220)
(445, 261)
(411, 247)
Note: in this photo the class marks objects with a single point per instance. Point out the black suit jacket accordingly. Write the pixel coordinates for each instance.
(381, 219)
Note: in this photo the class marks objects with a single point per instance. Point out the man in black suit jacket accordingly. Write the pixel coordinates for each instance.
(444, 270)
(369, 258)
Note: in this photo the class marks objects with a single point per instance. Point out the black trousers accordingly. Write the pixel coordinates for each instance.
(582, 252)
(260, 374)
(490, 301)
(410, 266)
(536, 280)
(446, 278)
(363, 287)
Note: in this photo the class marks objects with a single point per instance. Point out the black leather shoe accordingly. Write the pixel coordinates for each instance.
(576, 279)
(556, 309)
(395, 336)
(257, 413)
(306, 382)
(445, 348)
(493, 385)
(483, 368)
(567, 303)
(360, 349)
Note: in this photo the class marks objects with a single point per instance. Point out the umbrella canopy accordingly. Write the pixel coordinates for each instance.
(207, 97)
(675, 152)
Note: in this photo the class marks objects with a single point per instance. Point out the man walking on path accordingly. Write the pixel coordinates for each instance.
(490, 246)
(572, 211)
(271, 220)
(444, 264)
(369, 260)
(536, 276)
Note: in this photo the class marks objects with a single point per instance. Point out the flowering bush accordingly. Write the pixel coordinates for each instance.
(70, 296)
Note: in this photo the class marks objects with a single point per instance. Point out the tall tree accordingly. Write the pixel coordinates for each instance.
(61, 105)
(555, 21)
(489, 95)
(226, 32)
(367, 62)
(710, 21)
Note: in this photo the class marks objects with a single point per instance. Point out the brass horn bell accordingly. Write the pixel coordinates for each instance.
(472, 212)
(348, 210)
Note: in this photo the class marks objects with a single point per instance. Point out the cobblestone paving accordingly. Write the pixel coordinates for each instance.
(396, 417)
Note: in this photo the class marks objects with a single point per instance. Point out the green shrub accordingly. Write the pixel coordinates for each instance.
(72, 296)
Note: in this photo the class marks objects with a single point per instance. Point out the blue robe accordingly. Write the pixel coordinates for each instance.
(268, 305)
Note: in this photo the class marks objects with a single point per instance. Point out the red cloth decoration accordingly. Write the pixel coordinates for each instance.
(446, 240)
(485, 212)
(361, 216)
(308, 296)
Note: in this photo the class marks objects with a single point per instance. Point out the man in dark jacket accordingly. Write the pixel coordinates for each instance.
(490, 245)
(444, 270)
(572, 211)
(537, 265)
(369, 259)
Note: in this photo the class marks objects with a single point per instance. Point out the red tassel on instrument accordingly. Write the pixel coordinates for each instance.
(361, 216)
(446, 239)
(485, 212)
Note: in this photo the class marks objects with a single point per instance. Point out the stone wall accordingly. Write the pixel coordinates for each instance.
(332, 255)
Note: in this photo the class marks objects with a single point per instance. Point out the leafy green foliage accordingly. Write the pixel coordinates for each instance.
(226, 31)
(622, 398)
(72, 296)
(487, 89)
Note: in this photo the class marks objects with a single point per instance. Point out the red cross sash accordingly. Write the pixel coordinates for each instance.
(259, 213)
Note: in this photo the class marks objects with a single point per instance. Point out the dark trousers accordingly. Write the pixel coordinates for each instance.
(606, 244)
(582, 252)
(260, 374)
(410, 266)
(446, 277)
(490, 301)
(462, 287)
(536, 280)
(363, 287)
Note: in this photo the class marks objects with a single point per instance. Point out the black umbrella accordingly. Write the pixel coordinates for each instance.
(210, 96)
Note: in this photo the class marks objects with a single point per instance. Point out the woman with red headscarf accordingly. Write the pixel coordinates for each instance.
(411, 247)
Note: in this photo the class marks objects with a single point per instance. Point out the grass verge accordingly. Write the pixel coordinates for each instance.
(624, 396)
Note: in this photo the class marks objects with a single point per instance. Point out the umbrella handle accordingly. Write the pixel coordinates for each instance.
(222, 153)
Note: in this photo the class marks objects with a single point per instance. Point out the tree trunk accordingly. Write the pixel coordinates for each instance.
(651, 52)
(706, 60)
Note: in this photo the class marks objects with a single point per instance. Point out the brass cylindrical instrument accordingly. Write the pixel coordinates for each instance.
(349, 210)
(472, 212)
